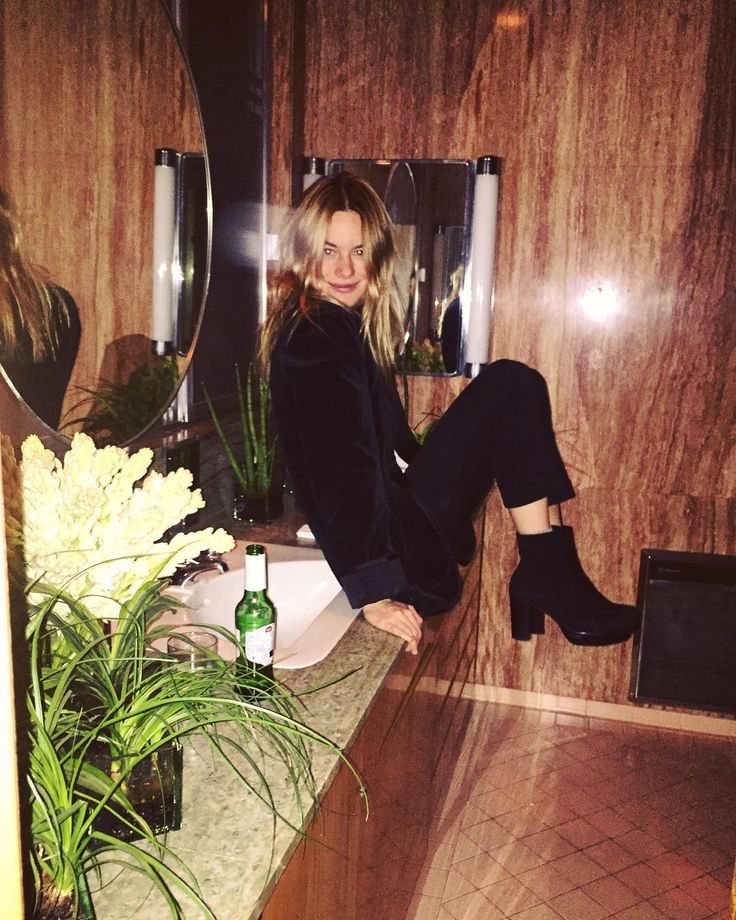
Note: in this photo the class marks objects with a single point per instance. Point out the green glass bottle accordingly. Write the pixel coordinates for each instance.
(255, 617)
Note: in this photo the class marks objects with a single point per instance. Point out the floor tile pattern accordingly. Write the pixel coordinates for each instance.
(551, 819)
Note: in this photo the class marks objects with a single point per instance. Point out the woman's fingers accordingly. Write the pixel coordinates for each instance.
(417, 618)
(401, 620)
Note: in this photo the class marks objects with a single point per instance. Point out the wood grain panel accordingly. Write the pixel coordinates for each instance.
(89, 90)
(286, 33)
(616, 269)
(355, 867)
(426, 398)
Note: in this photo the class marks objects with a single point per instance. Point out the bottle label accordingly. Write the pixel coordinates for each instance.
(259, 644)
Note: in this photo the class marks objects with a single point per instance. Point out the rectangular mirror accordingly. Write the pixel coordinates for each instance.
(430, 203)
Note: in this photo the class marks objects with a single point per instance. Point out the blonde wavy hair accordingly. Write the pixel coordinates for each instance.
(26, 300)
(294, 287)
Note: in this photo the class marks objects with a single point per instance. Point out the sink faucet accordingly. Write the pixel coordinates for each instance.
(205, 562)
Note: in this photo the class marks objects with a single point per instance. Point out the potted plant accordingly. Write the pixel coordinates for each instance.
(423, 358)
(94, 571)
(116, 411)
(83, 815)
(257, 499)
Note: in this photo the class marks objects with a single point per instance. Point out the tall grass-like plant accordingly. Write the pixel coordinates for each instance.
(91, 690)
(251, 458)
(69, 793)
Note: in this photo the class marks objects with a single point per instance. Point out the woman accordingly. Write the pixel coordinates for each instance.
(39, 326)
(395, 541)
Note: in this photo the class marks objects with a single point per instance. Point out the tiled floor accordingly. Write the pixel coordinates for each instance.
(552, 819)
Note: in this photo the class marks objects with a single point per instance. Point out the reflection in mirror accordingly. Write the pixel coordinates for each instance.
(193, 247)
(88, 91)
(180, 249)
(430, 202)
(39, 324)
(400, 198)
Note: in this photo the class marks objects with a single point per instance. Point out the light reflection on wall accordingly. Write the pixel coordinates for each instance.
(600, 302)
(511, 19)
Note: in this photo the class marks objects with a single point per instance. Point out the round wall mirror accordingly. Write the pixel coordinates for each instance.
(89, 91)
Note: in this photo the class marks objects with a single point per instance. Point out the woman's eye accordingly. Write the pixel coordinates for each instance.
(359, 252)
(328, 251)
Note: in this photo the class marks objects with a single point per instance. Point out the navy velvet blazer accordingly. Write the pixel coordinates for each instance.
(339, 423)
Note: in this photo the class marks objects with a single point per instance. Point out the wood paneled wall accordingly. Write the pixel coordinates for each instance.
(88, 90)
(616, 270)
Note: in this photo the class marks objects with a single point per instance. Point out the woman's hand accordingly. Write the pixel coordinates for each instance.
(401, 620)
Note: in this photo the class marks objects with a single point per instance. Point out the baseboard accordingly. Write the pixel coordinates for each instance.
(574, 711)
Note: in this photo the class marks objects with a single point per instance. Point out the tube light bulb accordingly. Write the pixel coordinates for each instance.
(482, 258)
(164, 236)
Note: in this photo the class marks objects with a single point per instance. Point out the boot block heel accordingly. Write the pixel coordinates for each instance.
(525, 620)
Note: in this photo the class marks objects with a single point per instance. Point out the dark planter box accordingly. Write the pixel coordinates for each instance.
(154, 788)
(261, 509)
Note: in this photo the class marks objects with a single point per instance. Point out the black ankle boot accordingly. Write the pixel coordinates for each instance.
(550, 579)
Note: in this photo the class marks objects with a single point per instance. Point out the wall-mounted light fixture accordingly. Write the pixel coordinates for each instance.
(477, 329)
(163, 332)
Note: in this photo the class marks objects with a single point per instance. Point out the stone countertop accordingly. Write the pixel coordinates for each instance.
(228, 838)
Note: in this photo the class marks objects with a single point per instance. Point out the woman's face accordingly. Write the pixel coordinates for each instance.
(343, 273)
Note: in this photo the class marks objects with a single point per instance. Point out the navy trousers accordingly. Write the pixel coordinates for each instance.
(499, 429)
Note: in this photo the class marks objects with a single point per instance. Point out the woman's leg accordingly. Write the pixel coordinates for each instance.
(500, 428)
(536, 517)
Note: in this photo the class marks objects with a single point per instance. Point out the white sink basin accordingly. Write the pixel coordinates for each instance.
(312, 611)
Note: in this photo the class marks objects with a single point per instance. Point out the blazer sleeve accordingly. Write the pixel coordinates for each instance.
(322, 395)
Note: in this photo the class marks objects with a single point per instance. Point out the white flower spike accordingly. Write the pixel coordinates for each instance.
(93, 523)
